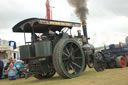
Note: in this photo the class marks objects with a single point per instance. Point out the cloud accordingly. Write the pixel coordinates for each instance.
(106, 18)
(108, 30)
(12, 11)
(118, 7)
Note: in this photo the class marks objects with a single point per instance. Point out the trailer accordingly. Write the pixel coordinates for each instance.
(53, 48)
(116, 55)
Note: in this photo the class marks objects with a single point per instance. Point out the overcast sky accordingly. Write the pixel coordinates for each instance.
(107, 21)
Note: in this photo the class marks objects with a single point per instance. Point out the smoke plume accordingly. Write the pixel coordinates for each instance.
(81, 9)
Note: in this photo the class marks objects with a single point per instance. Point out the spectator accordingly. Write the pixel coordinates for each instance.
(1, 67)
(8, 63)
(11, 72)
(16, 66)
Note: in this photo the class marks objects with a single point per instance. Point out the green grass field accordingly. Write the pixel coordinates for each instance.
(117, 76)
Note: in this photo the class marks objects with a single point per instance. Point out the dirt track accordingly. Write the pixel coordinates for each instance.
(90, 77)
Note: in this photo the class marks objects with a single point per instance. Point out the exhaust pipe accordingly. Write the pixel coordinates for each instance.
(85, 30)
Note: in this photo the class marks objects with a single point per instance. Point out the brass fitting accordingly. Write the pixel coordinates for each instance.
(83, 22)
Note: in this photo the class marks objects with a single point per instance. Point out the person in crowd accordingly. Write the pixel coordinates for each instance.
(8, 63)
(11, 72)
(1, 68)
(16, 66)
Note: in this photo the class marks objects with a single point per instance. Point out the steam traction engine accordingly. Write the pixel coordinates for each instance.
(55, 50)
(116, 55)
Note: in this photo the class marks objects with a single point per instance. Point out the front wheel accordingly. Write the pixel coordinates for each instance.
(99, 62)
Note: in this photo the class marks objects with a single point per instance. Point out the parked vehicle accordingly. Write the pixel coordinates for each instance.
(116, 55)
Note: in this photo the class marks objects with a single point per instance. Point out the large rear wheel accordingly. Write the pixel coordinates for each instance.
(68, 58)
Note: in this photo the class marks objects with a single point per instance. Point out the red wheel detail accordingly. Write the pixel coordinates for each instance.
(123, 62)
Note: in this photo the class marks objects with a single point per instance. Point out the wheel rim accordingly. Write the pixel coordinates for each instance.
(123, 62)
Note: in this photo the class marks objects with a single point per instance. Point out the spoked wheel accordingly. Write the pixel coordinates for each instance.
(43, 76)
(99, 62)
(68, 58)
(121, 62)
(49, 74)
(39, 76)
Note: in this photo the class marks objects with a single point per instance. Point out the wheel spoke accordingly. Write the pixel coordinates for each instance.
(67, 68)
(67, 51)
(66, 65)
(75, 50)
(66, 54)
(71, 49)
(73, 69)
(75, 58)
(76, 65)
(64, 59)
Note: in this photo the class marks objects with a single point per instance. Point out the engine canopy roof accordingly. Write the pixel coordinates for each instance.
(42, 25)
